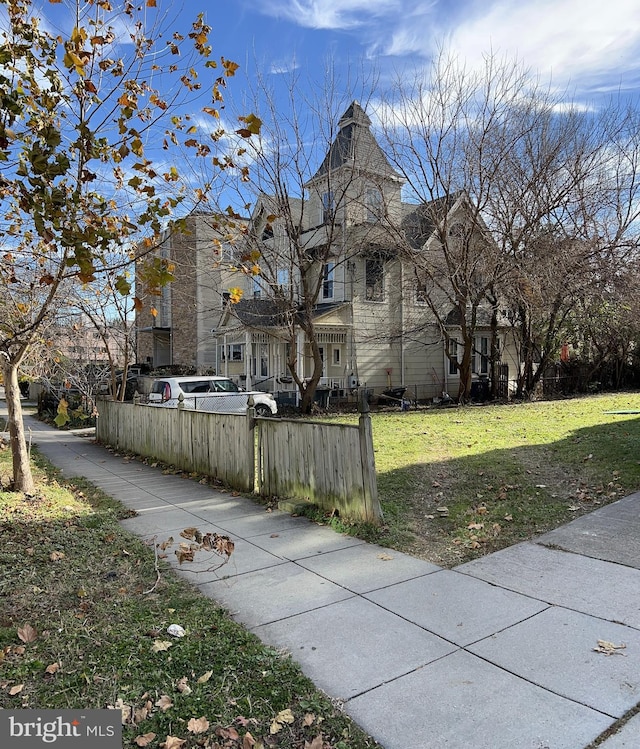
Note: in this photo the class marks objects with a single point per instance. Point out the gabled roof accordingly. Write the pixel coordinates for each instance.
(420, 220)
(355, 146)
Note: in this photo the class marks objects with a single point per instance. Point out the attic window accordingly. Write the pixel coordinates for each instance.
(457, 231)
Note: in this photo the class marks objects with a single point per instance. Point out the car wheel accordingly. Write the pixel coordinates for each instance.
(262, 410)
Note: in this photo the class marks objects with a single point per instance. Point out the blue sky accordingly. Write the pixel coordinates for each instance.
(589, 47)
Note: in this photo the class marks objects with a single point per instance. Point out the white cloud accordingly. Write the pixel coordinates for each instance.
(331, 14)
(584, 43)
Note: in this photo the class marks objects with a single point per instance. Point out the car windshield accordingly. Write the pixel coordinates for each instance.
(225, 386)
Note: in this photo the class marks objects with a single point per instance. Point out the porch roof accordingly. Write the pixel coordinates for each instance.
(268, 313)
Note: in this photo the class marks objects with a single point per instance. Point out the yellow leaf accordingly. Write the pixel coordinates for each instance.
(205, 677)
(161, 645)
(198, 725)
(235, 295)
(154, 312)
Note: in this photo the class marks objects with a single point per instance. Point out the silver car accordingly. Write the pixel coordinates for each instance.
(210, 393)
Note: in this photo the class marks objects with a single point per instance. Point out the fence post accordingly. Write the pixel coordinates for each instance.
(256, 482)
(373, 511)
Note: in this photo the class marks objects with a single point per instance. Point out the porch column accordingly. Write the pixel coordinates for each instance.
(248, 356)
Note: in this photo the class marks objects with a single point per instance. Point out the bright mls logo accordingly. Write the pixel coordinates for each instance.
(63, 729)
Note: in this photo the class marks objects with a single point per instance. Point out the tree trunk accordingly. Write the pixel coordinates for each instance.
(22, 476)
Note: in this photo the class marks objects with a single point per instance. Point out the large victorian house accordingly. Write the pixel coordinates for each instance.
(337, 292)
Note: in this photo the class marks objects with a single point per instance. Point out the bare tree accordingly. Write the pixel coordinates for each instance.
(308, 171)
(448, 132)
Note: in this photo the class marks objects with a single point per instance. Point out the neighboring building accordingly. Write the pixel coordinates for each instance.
(182, 332)
(78, 340)
(370, 320)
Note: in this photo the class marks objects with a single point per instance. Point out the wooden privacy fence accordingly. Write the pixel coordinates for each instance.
(215, 444)
(331, 465)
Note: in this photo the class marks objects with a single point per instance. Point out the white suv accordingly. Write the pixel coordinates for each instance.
(218, 394)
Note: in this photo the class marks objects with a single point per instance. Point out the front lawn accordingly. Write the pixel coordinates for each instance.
(456, 483)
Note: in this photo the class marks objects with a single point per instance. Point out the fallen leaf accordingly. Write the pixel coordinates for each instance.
(183, 686)
(205, 677)
(248, 742)
(140, 715)
(145, 739)
(198, 725)
(16, 690)
(475, 526)
(608, 648)
(385, 557)
(52, 668)
(173, 742)
(27, 633)
(317, 743)
(309, 719)
(164, 703)
(508, 517)
(125, 709)
(283, 717)
(191, 533)
(56, 556)
(161, 645)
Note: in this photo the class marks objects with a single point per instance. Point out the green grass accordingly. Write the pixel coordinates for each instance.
(456, 483)
(78, 628)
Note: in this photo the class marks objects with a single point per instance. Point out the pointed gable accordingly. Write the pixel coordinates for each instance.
(355, 146)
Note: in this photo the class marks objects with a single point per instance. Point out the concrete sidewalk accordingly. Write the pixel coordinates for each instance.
(499, 653)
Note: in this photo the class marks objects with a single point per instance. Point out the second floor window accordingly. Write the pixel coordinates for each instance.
(257, 287)
(373, 204)
(374, 279)
(328, 270)
(328, 207)
(422, 295)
